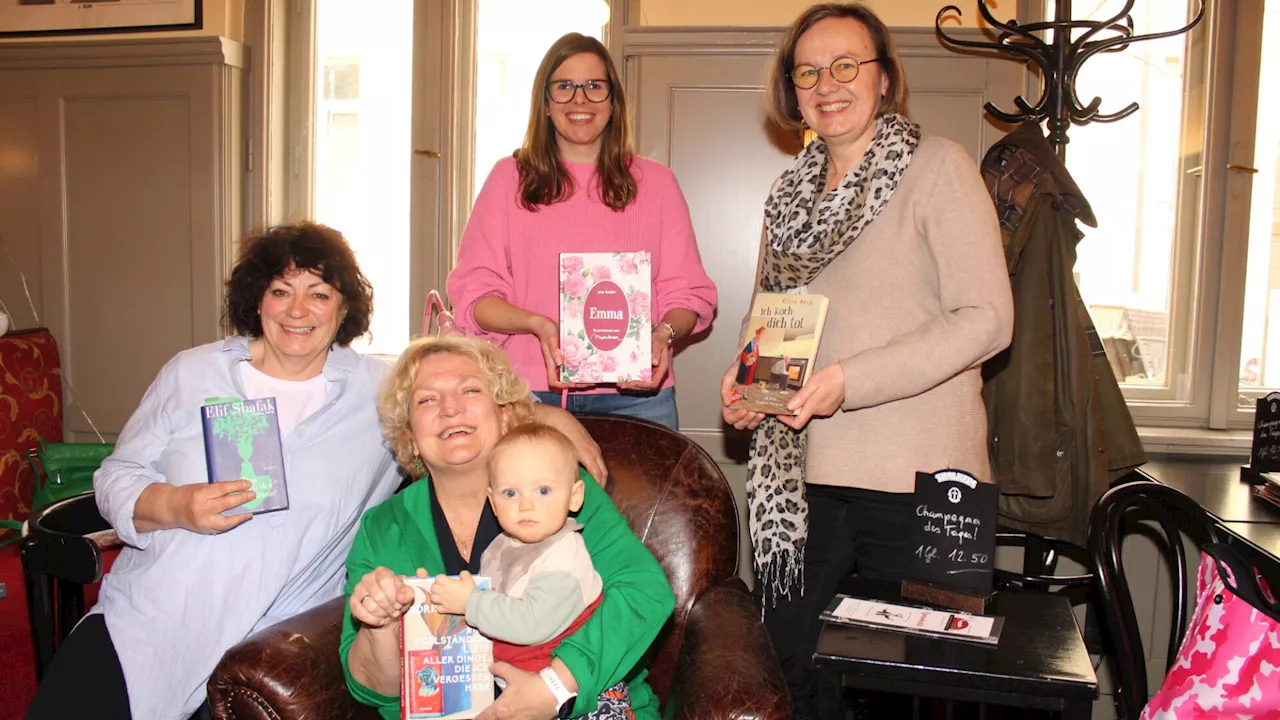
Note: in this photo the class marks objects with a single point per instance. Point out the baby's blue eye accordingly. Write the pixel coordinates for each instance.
(544, 491)
(509, 494)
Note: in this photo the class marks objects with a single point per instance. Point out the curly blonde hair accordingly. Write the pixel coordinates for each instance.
(506, 388)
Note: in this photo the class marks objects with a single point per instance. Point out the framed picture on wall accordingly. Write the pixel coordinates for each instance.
(66, 17)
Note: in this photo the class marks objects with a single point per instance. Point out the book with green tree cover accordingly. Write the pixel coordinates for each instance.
(242, 442)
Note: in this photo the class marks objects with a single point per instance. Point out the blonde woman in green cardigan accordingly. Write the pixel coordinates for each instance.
(444, 407)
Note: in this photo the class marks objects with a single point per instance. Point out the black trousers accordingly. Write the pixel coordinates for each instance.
(85, 679)
(850, 531)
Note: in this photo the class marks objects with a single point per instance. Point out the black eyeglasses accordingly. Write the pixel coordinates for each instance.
(842, 69)
(563, 91)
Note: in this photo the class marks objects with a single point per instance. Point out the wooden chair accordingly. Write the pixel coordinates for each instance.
(1113, 517)
(58, 561)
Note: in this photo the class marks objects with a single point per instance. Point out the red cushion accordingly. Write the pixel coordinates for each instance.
(30, 410)
(17, 654)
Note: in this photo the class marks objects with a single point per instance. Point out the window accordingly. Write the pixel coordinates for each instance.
(360, 168)
(511, 38)
(394, 112)
(1191, 325)
(1260, 341)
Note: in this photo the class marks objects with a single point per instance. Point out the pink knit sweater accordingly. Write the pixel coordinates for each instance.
(514, 254)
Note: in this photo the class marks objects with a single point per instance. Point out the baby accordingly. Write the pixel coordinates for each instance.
(544, 586)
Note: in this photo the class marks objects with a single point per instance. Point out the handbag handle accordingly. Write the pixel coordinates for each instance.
(33, 459)
(15, 526)
(444, 318)
(1243, 579)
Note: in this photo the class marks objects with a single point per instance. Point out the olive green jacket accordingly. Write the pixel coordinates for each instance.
(1058, 425)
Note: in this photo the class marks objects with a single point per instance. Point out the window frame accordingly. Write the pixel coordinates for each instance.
(1198, 411)
(444, 123)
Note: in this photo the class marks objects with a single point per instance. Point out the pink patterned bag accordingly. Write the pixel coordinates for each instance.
(1229, 662)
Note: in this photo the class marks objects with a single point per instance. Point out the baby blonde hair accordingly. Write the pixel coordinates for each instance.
(535, 432)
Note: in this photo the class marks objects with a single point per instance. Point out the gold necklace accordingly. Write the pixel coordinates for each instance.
(464, 546)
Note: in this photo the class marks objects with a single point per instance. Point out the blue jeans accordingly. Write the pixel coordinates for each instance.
(659, 408)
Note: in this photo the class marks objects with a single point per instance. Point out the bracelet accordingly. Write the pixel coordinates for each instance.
(564, 696)
(670, 328)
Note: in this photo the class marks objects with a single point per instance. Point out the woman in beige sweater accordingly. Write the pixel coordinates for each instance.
(899, 233)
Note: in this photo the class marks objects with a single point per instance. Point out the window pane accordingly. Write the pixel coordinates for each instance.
(1260, 342)
(363, 74)
(512, 37)
(1130, 172)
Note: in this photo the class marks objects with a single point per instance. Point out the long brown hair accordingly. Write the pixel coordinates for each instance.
(543, 177)
(780, 95)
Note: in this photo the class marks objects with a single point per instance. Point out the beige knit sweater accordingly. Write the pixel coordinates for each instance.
(918, 302)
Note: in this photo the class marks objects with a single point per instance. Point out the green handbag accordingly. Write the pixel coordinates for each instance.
(61, 470)
(65, 469)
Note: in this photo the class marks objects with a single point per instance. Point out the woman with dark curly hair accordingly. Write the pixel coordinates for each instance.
(193, 582)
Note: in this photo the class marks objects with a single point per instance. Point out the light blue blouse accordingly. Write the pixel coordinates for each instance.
(175, 600)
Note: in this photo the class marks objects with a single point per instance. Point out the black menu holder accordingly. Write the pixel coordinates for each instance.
(953, 540)
(1264, 457)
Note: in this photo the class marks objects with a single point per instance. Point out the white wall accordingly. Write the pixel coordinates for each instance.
(895, 13)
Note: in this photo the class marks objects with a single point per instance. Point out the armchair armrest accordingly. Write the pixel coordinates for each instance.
(289, 670)
(727, 667)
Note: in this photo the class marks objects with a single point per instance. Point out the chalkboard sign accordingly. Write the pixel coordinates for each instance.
(953, 531)
(1266, 435)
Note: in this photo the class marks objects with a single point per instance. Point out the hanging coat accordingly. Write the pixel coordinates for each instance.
(1058, 424)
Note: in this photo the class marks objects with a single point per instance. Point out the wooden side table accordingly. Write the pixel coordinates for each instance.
(1041, 661)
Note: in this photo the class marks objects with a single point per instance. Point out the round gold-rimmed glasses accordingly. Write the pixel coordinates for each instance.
(842, 69)
(562, 92)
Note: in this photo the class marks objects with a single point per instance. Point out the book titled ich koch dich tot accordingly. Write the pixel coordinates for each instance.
(779, 347)
(242, 442)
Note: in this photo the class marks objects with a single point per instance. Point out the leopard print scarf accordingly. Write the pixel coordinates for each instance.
(802, 240)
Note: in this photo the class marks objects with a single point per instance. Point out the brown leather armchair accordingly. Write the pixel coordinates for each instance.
(713, 658)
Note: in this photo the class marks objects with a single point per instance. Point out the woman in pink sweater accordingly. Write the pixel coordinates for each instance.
(576, 186)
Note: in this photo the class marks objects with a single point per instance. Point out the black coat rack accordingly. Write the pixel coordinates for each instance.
(1059, 61)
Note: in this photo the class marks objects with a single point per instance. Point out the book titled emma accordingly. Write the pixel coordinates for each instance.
(605, 330)
(242, 442)
(779, 347)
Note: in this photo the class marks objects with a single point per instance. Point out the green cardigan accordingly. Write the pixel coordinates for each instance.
(400, 534)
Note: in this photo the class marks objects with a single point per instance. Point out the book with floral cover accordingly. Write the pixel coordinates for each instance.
(605, 330)
(444, 662)
(779, 346)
